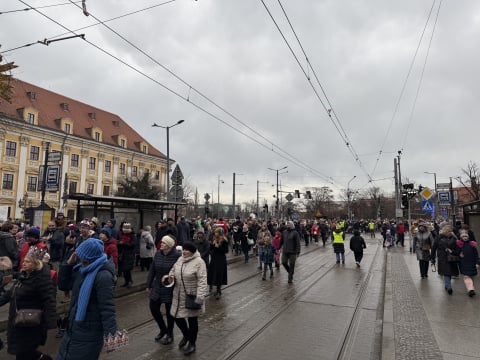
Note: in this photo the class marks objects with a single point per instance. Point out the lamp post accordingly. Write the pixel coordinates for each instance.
(23, 203)
(277, 201)
(348, 196)
(218, 195)
(168, 150)
(258, 192)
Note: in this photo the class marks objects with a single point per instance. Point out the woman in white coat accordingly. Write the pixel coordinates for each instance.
(190, 275)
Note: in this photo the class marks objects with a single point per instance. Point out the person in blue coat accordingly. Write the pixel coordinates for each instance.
(159, 293)
(92, 308)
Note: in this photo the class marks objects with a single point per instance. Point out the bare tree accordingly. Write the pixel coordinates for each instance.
(5, 79)
(470, 183)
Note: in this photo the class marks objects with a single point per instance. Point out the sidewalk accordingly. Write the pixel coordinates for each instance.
(421, 321)
(139, 279)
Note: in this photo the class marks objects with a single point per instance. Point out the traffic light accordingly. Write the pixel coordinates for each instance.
(266, 208)
(405, 200)
(308, 194)
(297, 194)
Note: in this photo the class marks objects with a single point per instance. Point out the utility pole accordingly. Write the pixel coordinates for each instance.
(277, 207)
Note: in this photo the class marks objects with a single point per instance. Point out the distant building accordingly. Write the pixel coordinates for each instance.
(97, 150)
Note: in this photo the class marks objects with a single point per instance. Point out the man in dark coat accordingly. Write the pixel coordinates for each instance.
(291, 249)
(183, 231)
(8, 244)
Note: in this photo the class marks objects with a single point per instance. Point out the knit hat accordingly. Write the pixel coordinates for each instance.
(19, 234)
(169, 241)
(219, 231)
(94, 220)
(90, 250)
(126, 227)
(85, 223)
(107, 231)
(190, 247)
(33, 232)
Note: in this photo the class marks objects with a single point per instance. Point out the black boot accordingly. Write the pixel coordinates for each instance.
(182, 342)
(189, 348)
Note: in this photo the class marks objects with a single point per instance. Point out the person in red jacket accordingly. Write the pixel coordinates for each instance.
(110, 245)
(400, 233)
(32, 238)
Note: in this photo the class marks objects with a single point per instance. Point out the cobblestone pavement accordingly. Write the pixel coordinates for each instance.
(410, 320)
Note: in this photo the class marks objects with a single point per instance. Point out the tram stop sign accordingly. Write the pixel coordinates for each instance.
(426, 193)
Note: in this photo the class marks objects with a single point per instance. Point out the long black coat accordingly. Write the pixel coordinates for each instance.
(217, 270)
(84, 339)
(439, 253)
(126, 251)
(34, 291)
(161, 266)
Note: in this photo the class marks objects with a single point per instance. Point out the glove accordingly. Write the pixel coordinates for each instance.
(198, 301)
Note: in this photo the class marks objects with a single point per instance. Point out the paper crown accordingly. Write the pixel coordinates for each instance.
(36, 253)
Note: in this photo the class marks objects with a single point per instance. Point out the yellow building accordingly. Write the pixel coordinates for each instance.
(97, 149)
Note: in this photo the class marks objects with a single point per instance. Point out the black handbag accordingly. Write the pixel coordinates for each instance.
(190, 302)
(26, 317)
(65, 278)
(453, 258)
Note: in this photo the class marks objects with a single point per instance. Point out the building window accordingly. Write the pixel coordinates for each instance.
(74, 159)
(34, 153)
(31, 118)
(90, 188)
(144, 149)
(11, 148)
(134, 171)
(120, 190)
(7, 182)
(92, 163)
(97, 136)
(122, 169)
(72, 187)
(108, 166)
(32, 183)
(67, 128)
(106, 190)
(157, 175)
(123, 143)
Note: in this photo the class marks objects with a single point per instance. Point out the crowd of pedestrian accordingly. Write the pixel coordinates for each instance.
(184, 261)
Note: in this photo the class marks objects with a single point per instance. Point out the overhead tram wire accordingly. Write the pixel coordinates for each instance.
(336, 124)
(309, 169)
(38, 7)
(92, 25)
(297, 160)
(421, 76)
(400, 97)
(191, 87)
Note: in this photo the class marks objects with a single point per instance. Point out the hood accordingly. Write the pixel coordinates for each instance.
(190, 258)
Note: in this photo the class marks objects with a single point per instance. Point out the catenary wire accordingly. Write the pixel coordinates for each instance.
(38, 7)
(402, 91)
(288, 158)
(92, 25)
(336, 124)
(190, 87)
(421, 76)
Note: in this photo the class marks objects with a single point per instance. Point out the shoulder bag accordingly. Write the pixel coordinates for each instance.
(26, 317)
(190, 302)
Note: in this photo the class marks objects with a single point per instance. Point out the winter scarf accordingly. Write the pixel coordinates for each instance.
(90, 272)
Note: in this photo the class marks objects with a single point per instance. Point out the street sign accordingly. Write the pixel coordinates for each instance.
(426, 193)
(444, 197)
(177, 176)
(54, 156)
(427, 206)
(289, 197)
(443, 186)
(294, 216)
(206, 197)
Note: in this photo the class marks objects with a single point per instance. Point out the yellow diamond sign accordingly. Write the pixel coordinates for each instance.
(426, 193)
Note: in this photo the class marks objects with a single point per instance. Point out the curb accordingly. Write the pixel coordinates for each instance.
(388, 333)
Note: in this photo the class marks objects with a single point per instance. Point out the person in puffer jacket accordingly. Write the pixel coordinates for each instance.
(466, 249)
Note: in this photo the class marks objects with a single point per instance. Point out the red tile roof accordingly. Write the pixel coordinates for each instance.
(49, 105)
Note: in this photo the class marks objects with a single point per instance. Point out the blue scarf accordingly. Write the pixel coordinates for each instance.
(90, 272)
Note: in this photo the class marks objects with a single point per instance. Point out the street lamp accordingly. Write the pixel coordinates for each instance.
(168, 150)
(348, 197)
(218, 195)
(258, 192)
(276, 201)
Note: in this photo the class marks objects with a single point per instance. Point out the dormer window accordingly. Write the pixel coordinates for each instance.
(98, 136)
(66, 128)
(64, 106)
(66, 125)
(116, 123)
(29, 115)
(144, 149)
(122, 141)
(31, 118)
(92, 115)
(32, 95)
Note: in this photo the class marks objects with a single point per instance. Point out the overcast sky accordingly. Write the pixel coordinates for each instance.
(231, 53)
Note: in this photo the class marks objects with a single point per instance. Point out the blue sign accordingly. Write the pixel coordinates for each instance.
(444, 197)
(294, 216)
(427, 206)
